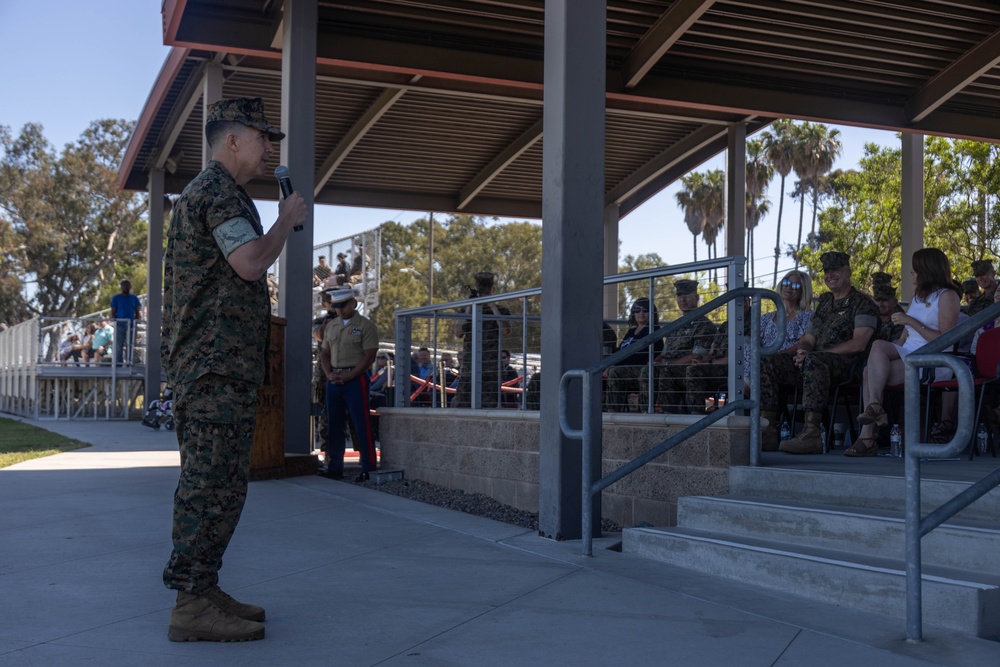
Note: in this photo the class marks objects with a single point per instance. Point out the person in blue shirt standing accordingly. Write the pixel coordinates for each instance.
(127, 310)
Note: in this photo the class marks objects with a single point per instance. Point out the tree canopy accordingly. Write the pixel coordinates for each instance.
(66, 230)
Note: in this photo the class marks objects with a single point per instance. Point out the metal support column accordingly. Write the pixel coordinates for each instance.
(912, 226)
(211, 92)
(736, 188)
(154, 285)
(572, 248)
(298, 121)
(611, 216)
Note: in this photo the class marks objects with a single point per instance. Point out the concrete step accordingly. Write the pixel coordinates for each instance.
(868, 491)
(954, 599)
(963, 545)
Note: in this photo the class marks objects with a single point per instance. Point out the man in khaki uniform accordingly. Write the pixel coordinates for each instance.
(216, 323)
(350, 343)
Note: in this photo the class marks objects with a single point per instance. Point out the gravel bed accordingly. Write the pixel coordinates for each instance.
(476, 504)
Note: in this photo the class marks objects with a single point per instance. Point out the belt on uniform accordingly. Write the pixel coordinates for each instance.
(341, 368)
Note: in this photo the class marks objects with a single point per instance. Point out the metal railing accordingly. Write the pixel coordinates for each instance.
(526, 321)
(591, 443)
(929, 356)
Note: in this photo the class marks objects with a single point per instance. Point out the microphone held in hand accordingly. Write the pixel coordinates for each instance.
(285, 183)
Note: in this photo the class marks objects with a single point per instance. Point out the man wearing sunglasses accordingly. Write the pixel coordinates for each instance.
(840, 332)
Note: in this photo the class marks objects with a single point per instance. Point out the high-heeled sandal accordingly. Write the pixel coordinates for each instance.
(862, 447)
(873, 414)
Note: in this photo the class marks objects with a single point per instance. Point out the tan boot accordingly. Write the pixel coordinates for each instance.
(196, 617)
(809, 440)
(226, 602)
(769, 436)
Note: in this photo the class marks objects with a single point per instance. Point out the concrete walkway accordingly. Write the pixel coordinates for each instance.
(351, 576)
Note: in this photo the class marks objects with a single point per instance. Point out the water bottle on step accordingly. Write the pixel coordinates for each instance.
(895, 441)
(982, 439)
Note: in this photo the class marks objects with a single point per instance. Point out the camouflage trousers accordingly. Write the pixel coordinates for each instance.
(622, 381)
(702, 381)
(669, 389)
(215, 422)
(819, 372)
(490, 391)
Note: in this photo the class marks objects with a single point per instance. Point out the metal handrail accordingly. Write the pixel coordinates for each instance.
(932, 355)
(588, 445)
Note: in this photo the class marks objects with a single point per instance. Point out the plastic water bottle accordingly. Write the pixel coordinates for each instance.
(982, 439)
(895, 441)
(822, 436)
(786, 430)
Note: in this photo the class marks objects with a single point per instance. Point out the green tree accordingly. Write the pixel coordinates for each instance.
(64, 225)
(463, 246)
(759, 174)
(779, 143)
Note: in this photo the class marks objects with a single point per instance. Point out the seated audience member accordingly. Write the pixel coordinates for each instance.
(341, 271)
(376, 390)
(507, 373)
(795, 290)
(986, 278)
(839, 334)
(321, 271)
(686, 346)
(70, 348)
(970, 292)
(427, 373)
(104, 337)
(933, 311)
(884, 295)
(623, 377)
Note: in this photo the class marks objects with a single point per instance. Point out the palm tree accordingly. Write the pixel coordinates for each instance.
(687, 199)
(712, 198)
(779, 146)
(823, 147)
(801, 160)
(759, 174)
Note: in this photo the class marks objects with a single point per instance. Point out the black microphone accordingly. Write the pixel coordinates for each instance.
(285, 183)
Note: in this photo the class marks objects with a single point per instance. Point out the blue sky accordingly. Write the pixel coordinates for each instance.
(68, 62)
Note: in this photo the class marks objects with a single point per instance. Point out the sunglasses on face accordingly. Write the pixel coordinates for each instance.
(790, 283)
(639, 309)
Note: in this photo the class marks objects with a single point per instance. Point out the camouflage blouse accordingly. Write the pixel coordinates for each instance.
(213, 320)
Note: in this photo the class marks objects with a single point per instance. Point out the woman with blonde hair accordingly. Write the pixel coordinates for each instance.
(933, 311)
(795, 290)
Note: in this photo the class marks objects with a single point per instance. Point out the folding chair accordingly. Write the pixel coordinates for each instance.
(985, 374)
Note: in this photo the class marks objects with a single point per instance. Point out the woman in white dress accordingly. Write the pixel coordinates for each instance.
(933, 311)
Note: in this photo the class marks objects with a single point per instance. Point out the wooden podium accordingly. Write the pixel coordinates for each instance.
(267, 458)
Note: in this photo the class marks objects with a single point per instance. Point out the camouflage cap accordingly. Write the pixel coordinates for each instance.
(835, 260)
(969, 285)
(884, 292)
(484, 280)
(981, 267)
(685, 286)
(881, 278)
(246, 110)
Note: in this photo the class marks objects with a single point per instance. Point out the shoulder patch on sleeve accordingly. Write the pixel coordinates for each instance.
(233, 233)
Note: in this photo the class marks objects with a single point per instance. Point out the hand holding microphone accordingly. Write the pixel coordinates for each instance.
(285, 183)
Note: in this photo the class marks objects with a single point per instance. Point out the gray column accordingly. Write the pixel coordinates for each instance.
(572, 248)
(611, 260)
(211, 92)
(912, 226)
(154, 285)
(298, 121)
(736, 188)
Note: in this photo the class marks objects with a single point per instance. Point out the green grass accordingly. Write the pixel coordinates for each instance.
(22, 442)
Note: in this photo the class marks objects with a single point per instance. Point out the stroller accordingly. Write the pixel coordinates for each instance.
(161, 411)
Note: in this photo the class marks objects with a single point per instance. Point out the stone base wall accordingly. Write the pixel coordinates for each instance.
(495, 452)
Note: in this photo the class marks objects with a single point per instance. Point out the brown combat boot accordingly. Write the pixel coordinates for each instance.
(196, 617)
(226, 602)
(769, 436)
(809, 440)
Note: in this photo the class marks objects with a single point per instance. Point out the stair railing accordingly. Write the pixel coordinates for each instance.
(590, 443)
(932, 355)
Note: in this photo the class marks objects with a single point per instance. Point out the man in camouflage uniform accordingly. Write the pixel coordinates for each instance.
(970, 292)
(840, 333)
(688, 345)
(706, 379)
(986, 277)
(216, 324)
(885, 299)
(492, 332)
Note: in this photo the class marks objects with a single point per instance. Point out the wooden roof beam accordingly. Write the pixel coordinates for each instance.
(658, 40)
(952, 79)
(527, 139)
(357, 132)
